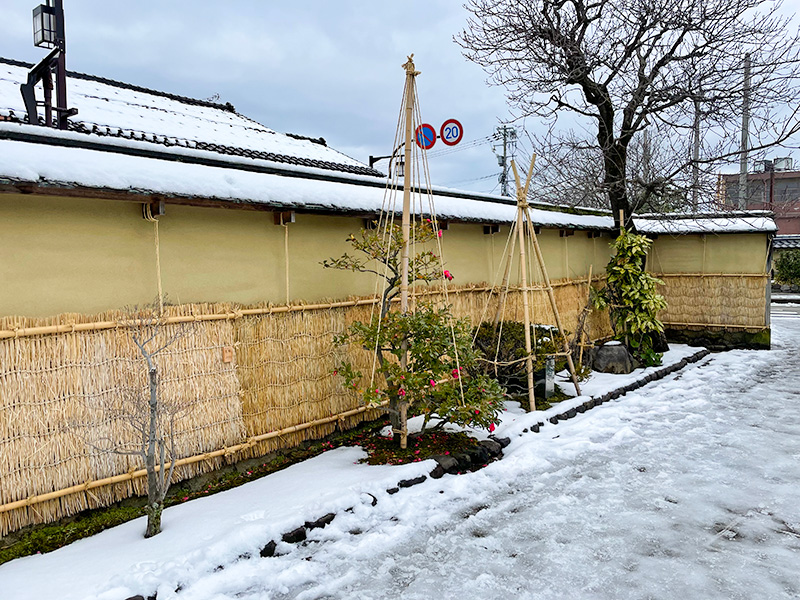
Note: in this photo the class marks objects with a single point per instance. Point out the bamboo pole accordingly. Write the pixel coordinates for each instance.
(586, 308)
(521, 201)
(411, 73)
(21, 332)
(709, 274)
(506, 276)
(724, 326)
(551, 295)
(89, 485)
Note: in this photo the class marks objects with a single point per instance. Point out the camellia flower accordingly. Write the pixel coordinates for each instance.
(448, 275)
(491, 427)
(477, 412)
(402, 392)
(439, 233)
(455, 373)
(433, 383)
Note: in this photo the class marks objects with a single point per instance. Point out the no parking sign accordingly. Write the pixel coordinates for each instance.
(425, 136)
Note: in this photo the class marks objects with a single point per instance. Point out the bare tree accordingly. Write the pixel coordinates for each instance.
(623, 66)
(142, 408)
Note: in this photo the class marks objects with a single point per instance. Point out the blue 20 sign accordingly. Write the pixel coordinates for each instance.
(451, 132)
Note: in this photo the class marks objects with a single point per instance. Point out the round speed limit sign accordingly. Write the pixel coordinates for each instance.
(451, 132)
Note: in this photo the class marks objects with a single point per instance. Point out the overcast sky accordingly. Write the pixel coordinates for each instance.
(329, 68)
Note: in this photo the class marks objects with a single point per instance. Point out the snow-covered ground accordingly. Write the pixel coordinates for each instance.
(685, 489)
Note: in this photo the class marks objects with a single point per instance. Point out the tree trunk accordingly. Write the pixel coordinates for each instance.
(154, 495)
(153, 511)
(614, 159)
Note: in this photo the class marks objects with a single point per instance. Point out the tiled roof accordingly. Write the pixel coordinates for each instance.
(786, 242)
(113, 109)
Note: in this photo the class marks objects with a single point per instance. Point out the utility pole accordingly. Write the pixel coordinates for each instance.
(745, 135)
(509, 137)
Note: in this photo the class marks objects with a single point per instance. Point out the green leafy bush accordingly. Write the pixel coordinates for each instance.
(631, 298)
(442, 377)
(787, 267)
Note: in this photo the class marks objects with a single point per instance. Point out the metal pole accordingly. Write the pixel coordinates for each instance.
(61, 67)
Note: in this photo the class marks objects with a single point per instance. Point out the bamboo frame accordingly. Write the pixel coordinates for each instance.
(729, 326)
(89, 485)
(709, 274)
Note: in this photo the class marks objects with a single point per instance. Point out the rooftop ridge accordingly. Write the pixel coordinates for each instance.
(227, 107)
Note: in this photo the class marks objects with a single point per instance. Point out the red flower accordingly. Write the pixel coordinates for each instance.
(491, 427)
(448, 275)
(402, 392)
(433, 383)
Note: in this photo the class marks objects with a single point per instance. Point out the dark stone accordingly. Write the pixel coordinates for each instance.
(572, 413)
(581, 408)
(553, 420)
(504, 441)
(438, 472)
(683, 362)
(136, 597)
(479, 455)
(562, 417)
(391, 491)
(448, 463)
(294, 536)
(589, 404)
(464, 461)
(659, 341)
(269, 549)
(535, 428)
(492, 447)
(407, 483)
(321, 522)
(614, 395)
(612, 358)
(153, 597)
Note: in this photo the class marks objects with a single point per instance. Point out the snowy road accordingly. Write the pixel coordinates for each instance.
(686, 489)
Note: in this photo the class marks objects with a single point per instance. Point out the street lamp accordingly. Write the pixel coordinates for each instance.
(48, 32)
(44, 26)
(399, 165)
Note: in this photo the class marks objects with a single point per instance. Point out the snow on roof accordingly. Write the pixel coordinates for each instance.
(117, 110)
(53, 165)
(23, 162)
(733, 222)
(127, 138)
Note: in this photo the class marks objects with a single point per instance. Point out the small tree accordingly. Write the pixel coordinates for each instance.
(143, 409)
(439, 377)
(442, 378)
(631, 298)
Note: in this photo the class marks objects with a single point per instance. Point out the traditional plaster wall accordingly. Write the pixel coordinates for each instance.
(65, 255)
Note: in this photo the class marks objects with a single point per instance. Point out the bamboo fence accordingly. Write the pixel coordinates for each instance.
(58, 374)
